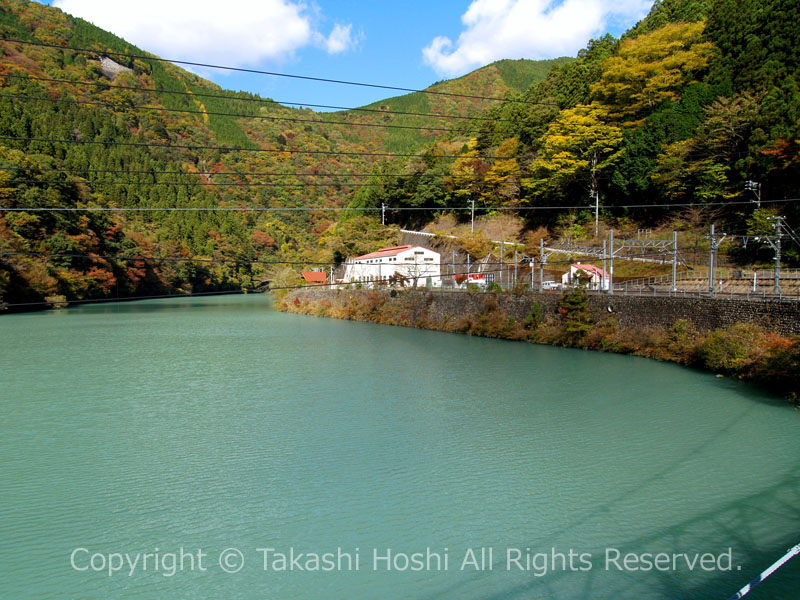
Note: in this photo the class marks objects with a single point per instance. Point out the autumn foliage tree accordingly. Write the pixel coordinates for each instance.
(578, 146)
(651, 69)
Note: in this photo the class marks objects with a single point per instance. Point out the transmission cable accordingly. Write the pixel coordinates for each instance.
(231, 148)
(272, 73)
(240, 173)
(123, 107)
(262, 101)
(368, 208)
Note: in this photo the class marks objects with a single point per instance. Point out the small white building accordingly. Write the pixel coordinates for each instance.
(594, 277)
(412, 266)
(462, 280)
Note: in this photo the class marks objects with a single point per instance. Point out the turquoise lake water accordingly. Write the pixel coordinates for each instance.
(217, 424)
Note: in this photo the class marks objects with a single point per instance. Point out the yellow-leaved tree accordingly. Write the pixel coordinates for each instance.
(467, 174)
(650, 69)
(578, 146)
(502, 180)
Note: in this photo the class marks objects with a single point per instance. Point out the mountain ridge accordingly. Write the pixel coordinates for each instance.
(156, 118)
(223, 188)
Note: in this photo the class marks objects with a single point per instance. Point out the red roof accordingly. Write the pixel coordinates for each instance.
(314, 277)
(385, 252)
(591, 269)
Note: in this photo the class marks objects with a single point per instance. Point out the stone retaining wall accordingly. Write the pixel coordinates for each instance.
(439, 309)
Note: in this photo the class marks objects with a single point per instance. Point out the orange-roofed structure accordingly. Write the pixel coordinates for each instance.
(314, 277)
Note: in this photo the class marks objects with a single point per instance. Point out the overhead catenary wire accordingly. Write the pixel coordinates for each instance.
(261, 101)
(382, 281)
(273, 73)
(294, 263)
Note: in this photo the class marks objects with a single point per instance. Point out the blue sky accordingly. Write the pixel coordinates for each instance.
(403, 43)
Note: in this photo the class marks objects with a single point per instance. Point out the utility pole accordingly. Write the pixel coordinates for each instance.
(674, 261)
(515, 265)
(383, 213)
(472, 219)
(776, 245)
(542, 262)
(611, 261)
(604, 279)
(712, 249)
(502, 245)
(755, 187)
(533, 269)
(595, 195)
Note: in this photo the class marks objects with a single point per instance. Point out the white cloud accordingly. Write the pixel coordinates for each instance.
(232, 32)
(340, 40)
(536, 29)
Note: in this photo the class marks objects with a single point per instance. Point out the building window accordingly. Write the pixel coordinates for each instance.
(428, 260)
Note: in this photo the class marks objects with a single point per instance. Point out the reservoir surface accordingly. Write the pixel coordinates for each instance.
(207, 438)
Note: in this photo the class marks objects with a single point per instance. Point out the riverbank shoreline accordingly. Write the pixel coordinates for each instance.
(10, 309)
(730, 340)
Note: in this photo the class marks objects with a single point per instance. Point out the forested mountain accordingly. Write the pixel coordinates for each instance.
(698, 98)
(85, 129)
(691, 103)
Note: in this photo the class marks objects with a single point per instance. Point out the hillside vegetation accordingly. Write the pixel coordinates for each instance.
(689, 105)
(103, 141)
(698, 98)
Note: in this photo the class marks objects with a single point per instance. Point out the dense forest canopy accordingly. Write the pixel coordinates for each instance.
(690, 104)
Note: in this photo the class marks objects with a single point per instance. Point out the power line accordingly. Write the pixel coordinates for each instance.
(279, 150)
(135, 257)
(339, 184)
(217, 208)
(365, 208)
(223, 114)
(262, 101)
(228, 148)
(240, 173)
(200, 183)
(273, 74)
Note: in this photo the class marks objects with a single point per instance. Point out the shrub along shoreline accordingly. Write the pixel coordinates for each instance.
(744, 350)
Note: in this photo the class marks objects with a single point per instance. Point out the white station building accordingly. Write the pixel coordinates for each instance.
(596, 278)
(418, 266)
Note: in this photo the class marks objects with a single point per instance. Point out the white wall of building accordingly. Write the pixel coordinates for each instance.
(415, 263)
(597, 282)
